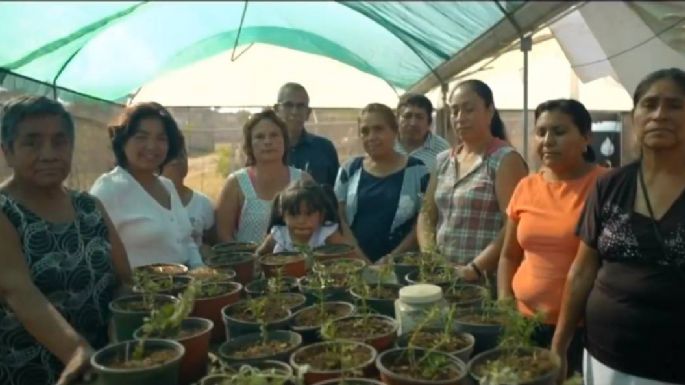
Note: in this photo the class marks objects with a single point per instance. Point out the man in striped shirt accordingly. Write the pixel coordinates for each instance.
(415, 114)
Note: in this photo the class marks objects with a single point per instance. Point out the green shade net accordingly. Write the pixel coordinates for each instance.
(108, 50)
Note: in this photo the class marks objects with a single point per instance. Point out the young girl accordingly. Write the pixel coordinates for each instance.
(302, 214)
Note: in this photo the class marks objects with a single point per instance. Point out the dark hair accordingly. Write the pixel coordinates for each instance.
(23, 107)
(128, 125)
(266, 114)
(416, 100)
(485, 93)
(385, 111)
(291, 86)
(577, 112)
(676, 75)
(317, 197)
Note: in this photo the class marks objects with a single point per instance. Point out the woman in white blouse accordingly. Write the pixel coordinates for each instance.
(144, 207)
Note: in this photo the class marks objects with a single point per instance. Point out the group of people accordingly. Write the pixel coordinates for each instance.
(599, 252)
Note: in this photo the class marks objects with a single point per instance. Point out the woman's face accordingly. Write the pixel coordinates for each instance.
(176, 169)
(558, 141)
(42, 151)
(469, 116)
(267, 142)
(378, 138)
(147, 149)
(659, 116)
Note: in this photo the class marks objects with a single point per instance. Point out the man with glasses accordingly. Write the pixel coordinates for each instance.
(415, 114)
(309, 152)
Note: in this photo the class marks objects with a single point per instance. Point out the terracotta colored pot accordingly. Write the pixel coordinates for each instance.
(210, 308)
(195, 362)
(292, 264)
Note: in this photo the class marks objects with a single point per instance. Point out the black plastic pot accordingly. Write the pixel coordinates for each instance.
(227, 348)
(382, 306)
(237, 327)
(493, 354)
(391, 378)
(486, 335)
(127, 321)
(165, 373)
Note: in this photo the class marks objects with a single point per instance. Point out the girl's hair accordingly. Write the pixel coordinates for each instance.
(316, 197)
(577, 112)
(485, 93)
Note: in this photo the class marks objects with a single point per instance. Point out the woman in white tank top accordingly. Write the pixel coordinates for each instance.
(244, 205)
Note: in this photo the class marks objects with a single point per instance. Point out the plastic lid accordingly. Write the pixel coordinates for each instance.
(420, 293)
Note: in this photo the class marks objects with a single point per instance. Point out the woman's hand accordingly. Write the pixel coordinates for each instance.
(563, 363)
(78, 366)
(467, 273)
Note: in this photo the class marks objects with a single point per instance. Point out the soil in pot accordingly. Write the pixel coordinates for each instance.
(212, 274)
(292, 301)
(255, 347)
(486, 327)
(163, 269)
(152, 359)
(439, 276)
(243, 312)
(381, 298)
(313, 316)
(376, 330)
(525, 366)
(339, 266)
(248, 247)
(171, 285)
(242, 262)
(396, 367)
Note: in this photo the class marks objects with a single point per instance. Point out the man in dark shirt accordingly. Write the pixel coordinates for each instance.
(309, 152)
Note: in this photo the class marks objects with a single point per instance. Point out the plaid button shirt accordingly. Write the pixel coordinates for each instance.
(469, 216)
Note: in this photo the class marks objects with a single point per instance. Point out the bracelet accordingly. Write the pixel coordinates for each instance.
(476, 269)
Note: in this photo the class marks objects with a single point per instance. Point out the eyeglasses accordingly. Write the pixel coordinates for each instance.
(294, 106)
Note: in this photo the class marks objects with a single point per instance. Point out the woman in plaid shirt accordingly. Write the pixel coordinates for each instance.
(463, 213)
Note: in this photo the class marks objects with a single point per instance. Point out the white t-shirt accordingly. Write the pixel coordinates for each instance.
(150, 232)
(201, 214)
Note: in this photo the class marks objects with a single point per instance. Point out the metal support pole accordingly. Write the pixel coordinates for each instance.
(526, 45)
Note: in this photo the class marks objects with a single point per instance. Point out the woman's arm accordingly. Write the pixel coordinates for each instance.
(347, 233)
(428, 217)
(408, 243)
(120, 262)
(510, 172)
(509, 261)
(228, 209)
(33, 310)
(336, 239)
(579, 281)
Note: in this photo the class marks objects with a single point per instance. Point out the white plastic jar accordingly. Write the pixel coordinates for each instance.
(414, 303)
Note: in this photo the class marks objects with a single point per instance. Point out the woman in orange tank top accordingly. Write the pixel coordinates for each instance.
(540, 242)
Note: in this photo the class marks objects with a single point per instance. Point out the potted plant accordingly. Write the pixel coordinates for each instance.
(239, 259)
(172, 322)
(340, 267)
(331, 359)
(308, 321)
(264, 345)
(516, 360)
(376, 330)
(415, 366)
(245, 316)
(129, 312)
(408, 262)
(148, 362)
(334, 251)
(464, 295)
(287, 263)
(262, 373)
(210, 299)
(444, 339)
(484, 323)
(146, 282)
(380, 297)
(276, 284)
